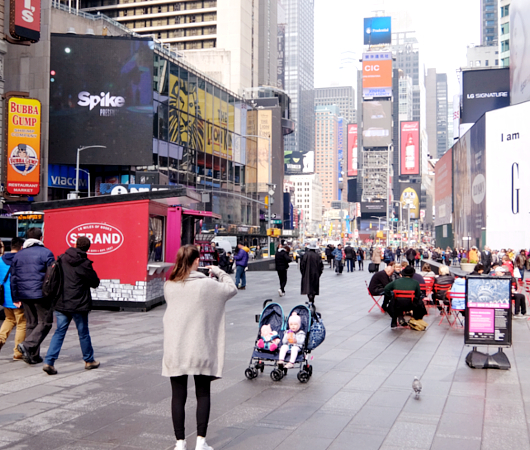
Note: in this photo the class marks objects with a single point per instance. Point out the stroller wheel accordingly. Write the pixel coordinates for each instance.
(310, 370)
(251, 373)
(303, 376)
(276, 375)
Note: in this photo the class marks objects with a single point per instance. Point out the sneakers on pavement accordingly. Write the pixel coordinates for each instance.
(181, 444)
(18, 357)
(25, 354)
(91, 365)
(1, 345)
(280, 292)
(50, 370)
(201, 444)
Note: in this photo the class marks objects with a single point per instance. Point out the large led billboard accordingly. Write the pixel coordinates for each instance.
(377, 74)
(101, 93)
(410, 195)
(377, 30)
(410, 148)
(443, 188)
(484, 90)
(352, 150)
(519, 51)
(377, 124)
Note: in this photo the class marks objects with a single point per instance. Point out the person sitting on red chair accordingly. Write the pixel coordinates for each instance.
(396, 306)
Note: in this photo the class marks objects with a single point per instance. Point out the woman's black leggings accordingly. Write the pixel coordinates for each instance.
(179, 387)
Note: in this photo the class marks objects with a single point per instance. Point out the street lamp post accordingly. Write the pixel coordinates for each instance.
(79, 150)
(88, 173)
(379, 219)
(400, 223)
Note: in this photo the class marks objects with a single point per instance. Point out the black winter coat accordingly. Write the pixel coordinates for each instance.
(311, 267)
(79, 277)
(27, 272)
(282, 259)
(350, 252)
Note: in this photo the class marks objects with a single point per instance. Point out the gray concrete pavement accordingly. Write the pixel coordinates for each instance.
(359, 397)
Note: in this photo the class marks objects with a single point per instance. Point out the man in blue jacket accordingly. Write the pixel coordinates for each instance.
(241, 259)
(14, 315)
(27, 275)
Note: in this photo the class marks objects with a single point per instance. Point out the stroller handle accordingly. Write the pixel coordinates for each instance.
(269, 300)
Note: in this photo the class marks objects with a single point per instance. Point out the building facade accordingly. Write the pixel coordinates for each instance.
(504, 33)
(307, 197)
(205, 30)
(326, 153)
(299, 73)
(405, 49)
(342, 96)
(489, 22)
(483, 55)
(406, 111)
(437, 113)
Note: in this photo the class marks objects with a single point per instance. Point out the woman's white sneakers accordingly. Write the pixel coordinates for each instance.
(201, 444)
(181, 445)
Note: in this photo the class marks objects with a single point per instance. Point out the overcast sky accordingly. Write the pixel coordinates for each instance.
(443, 29)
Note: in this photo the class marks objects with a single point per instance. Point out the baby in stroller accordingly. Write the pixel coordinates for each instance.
(293, 341)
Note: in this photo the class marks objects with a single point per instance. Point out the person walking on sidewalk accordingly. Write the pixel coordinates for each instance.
(337, 253)
(27, 276)
(194, 337)
(360, 258)
(241, 259)
(311, 267)
(14, 315)
(74, 302)
(282, 260)
(349, 251)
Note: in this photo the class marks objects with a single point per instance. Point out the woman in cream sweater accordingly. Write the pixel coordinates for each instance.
(194, 337)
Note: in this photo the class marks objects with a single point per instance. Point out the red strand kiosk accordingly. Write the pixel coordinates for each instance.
(135, 238)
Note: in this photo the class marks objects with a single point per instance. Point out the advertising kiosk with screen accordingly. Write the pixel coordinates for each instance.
(488, 320)
(134, 240)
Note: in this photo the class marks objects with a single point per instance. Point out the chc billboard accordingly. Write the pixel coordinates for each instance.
(377, 30)
(101, 93)
(484, 90)
(377, 123)
(377, 74)
(443, 189)
(23, 146)
(410, 148)
(519, 51)
(352, 150)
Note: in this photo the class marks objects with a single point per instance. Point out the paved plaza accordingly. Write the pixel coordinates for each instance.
(359, 397)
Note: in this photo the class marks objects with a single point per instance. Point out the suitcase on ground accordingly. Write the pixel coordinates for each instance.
(371, 268)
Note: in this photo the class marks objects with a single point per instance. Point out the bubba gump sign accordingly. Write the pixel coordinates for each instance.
(23, 146)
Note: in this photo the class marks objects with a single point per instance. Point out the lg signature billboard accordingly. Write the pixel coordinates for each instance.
(101, 94)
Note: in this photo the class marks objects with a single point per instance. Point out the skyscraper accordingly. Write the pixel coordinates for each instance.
(299, 73)
(489, 20)
(437, 110)
(326, 153)
(405, 48)
(505, 33)
(342, 96)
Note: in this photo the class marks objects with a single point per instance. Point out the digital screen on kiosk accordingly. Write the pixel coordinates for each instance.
(101, 93)
(488, 311)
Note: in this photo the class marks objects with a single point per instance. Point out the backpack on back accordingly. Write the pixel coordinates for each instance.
(53, 281)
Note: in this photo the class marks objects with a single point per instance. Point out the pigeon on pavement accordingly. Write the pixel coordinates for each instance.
(416, 386)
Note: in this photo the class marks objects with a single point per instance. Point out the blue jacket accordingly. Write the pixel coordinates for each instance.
(5, 265)
(337, 253)
(28, 269)
(241, 258)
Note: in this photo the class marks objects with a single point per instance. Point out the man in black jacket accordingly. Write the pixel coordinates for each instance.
(27, 275)
(410, 254)
(282, 260)
(311, 267)
(349, 251)
(74, 302)
(486, 259)
(381, 279)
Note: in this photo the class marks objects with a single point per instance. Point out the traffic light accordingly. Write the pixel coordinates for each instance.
(270, 232)
(267, 203)
(277, 232)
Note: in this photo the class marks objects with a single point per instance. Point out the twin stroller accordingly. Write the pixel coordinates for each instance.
(262, 356)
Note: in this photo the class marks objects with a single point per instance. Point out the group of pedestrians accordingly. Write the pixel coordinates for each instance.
(28, 310)
(338, 256)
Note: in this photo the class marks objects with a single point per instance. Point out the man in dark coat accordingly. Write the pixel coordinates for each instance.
(410, 254)
(282, 260)
(74, 302)
(311, 267)
(27, 275)
(486, 259)
(396, 307)
(349, 251)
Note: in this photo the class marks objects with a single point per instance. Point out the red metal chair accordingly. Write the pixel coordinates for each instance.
(437, 290)
(407, 295)
(376, 301)
(457, 318)
(427, 289)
